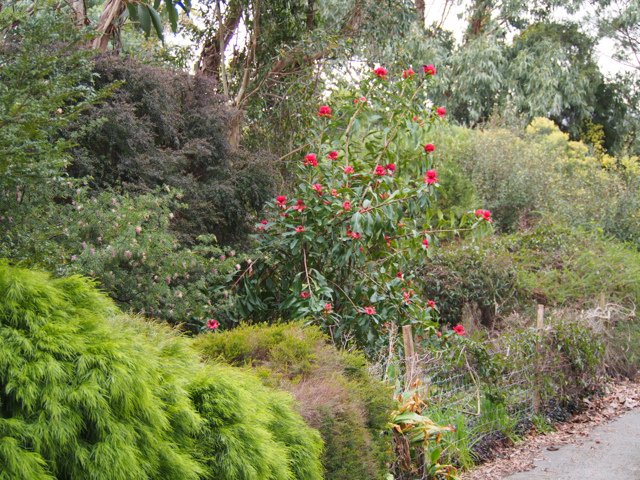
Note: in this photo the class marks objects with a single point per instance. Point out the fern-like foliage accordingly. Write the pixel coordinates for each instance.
(88, 394)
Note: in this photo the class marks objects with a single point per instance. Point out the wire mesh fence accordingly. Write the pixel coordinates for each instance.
(489, 391)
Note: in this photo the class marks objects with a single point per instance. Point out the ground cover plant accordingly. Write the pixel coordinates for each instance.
(84, 393)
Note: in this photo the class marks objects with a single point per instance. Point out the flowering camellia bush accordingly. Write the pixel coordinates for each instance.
(337, 248)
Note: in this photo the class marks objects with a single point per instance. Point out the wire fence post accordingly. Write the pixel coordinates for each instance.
(409, 354)
(537, 397)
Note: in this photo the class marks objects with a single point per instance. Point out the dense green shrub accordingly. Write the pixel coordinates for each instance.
(87, 395)
(163, 127)
(124, 237)
(548, 264)
(523, 173)
(335, 394)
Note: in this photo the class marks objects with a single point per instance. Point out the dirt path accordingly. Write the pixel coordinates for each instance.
(593, 445)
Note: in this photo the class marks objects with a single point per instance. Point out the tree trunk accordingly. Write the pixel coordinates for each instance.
(106, 26)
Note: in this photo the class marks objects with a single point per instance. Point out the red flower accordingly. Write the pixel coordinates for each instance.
(311, 160)
(399, 274)
(431, 177)
(425, 242)
(361, 99)
(324, 112)
(347, 205)
(369, 310)
(348, 169)
(486, 214)
(429, 148)
(317, 187)
(429, 69)
(408, 73)
(381, 72)
(212, 324)
(431, 304)
(332, 155)
(438, 333)
(263, 222)
(327, 307)
(281, 199)
(442, 112)
(299, 205)
(334, 192)
(304, 294)
(380, 170)
(300, 229)
(391, 167)
(355, 235)
(459, 329)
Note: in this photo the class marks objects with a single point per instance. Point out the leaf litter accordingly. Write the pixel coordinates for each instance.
(620, 397)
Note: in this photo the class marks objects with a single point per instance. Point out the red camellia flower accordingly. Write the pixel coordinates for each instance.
(300, 229)
(347, 205)
(408, 73)
(429, 69)
(263, 222)
(381, 72)
(324, 112)
(380, 170)
(459, 329)
(304, 294)
(327, 307)
(425, 242)
(311, 160)
(431, 304)
(360, 100)
(438, 334)
(442, 112)
(431, 177)
(391, 167)
(281, 199)
(334, 192)
(317, 187)
(399, 274)
(332, 155)
(348, 169)
(429, 148)
(369, 310)
(212, 324)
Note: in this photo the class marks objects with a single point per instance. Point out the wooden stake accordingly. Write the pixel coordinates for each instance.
(603, 301)
(409, 354)
(537, 398)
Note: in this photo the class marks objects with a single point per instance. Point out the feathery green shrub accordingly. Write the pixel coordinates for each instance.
(335, 393)
(86, 394)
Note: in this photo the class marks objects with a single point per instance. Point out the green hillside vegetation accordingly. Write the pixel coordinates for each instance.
(87, 393)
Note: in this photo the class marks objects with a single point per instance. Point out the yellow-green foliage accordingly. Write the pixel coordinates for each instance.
(86, 394)
(522, 173)
(334, 391)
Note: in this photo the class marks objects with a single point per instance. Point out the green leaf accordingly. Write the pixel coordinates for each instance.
(133, 13)
(173, 15)
(157, 23)
(145, 18)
